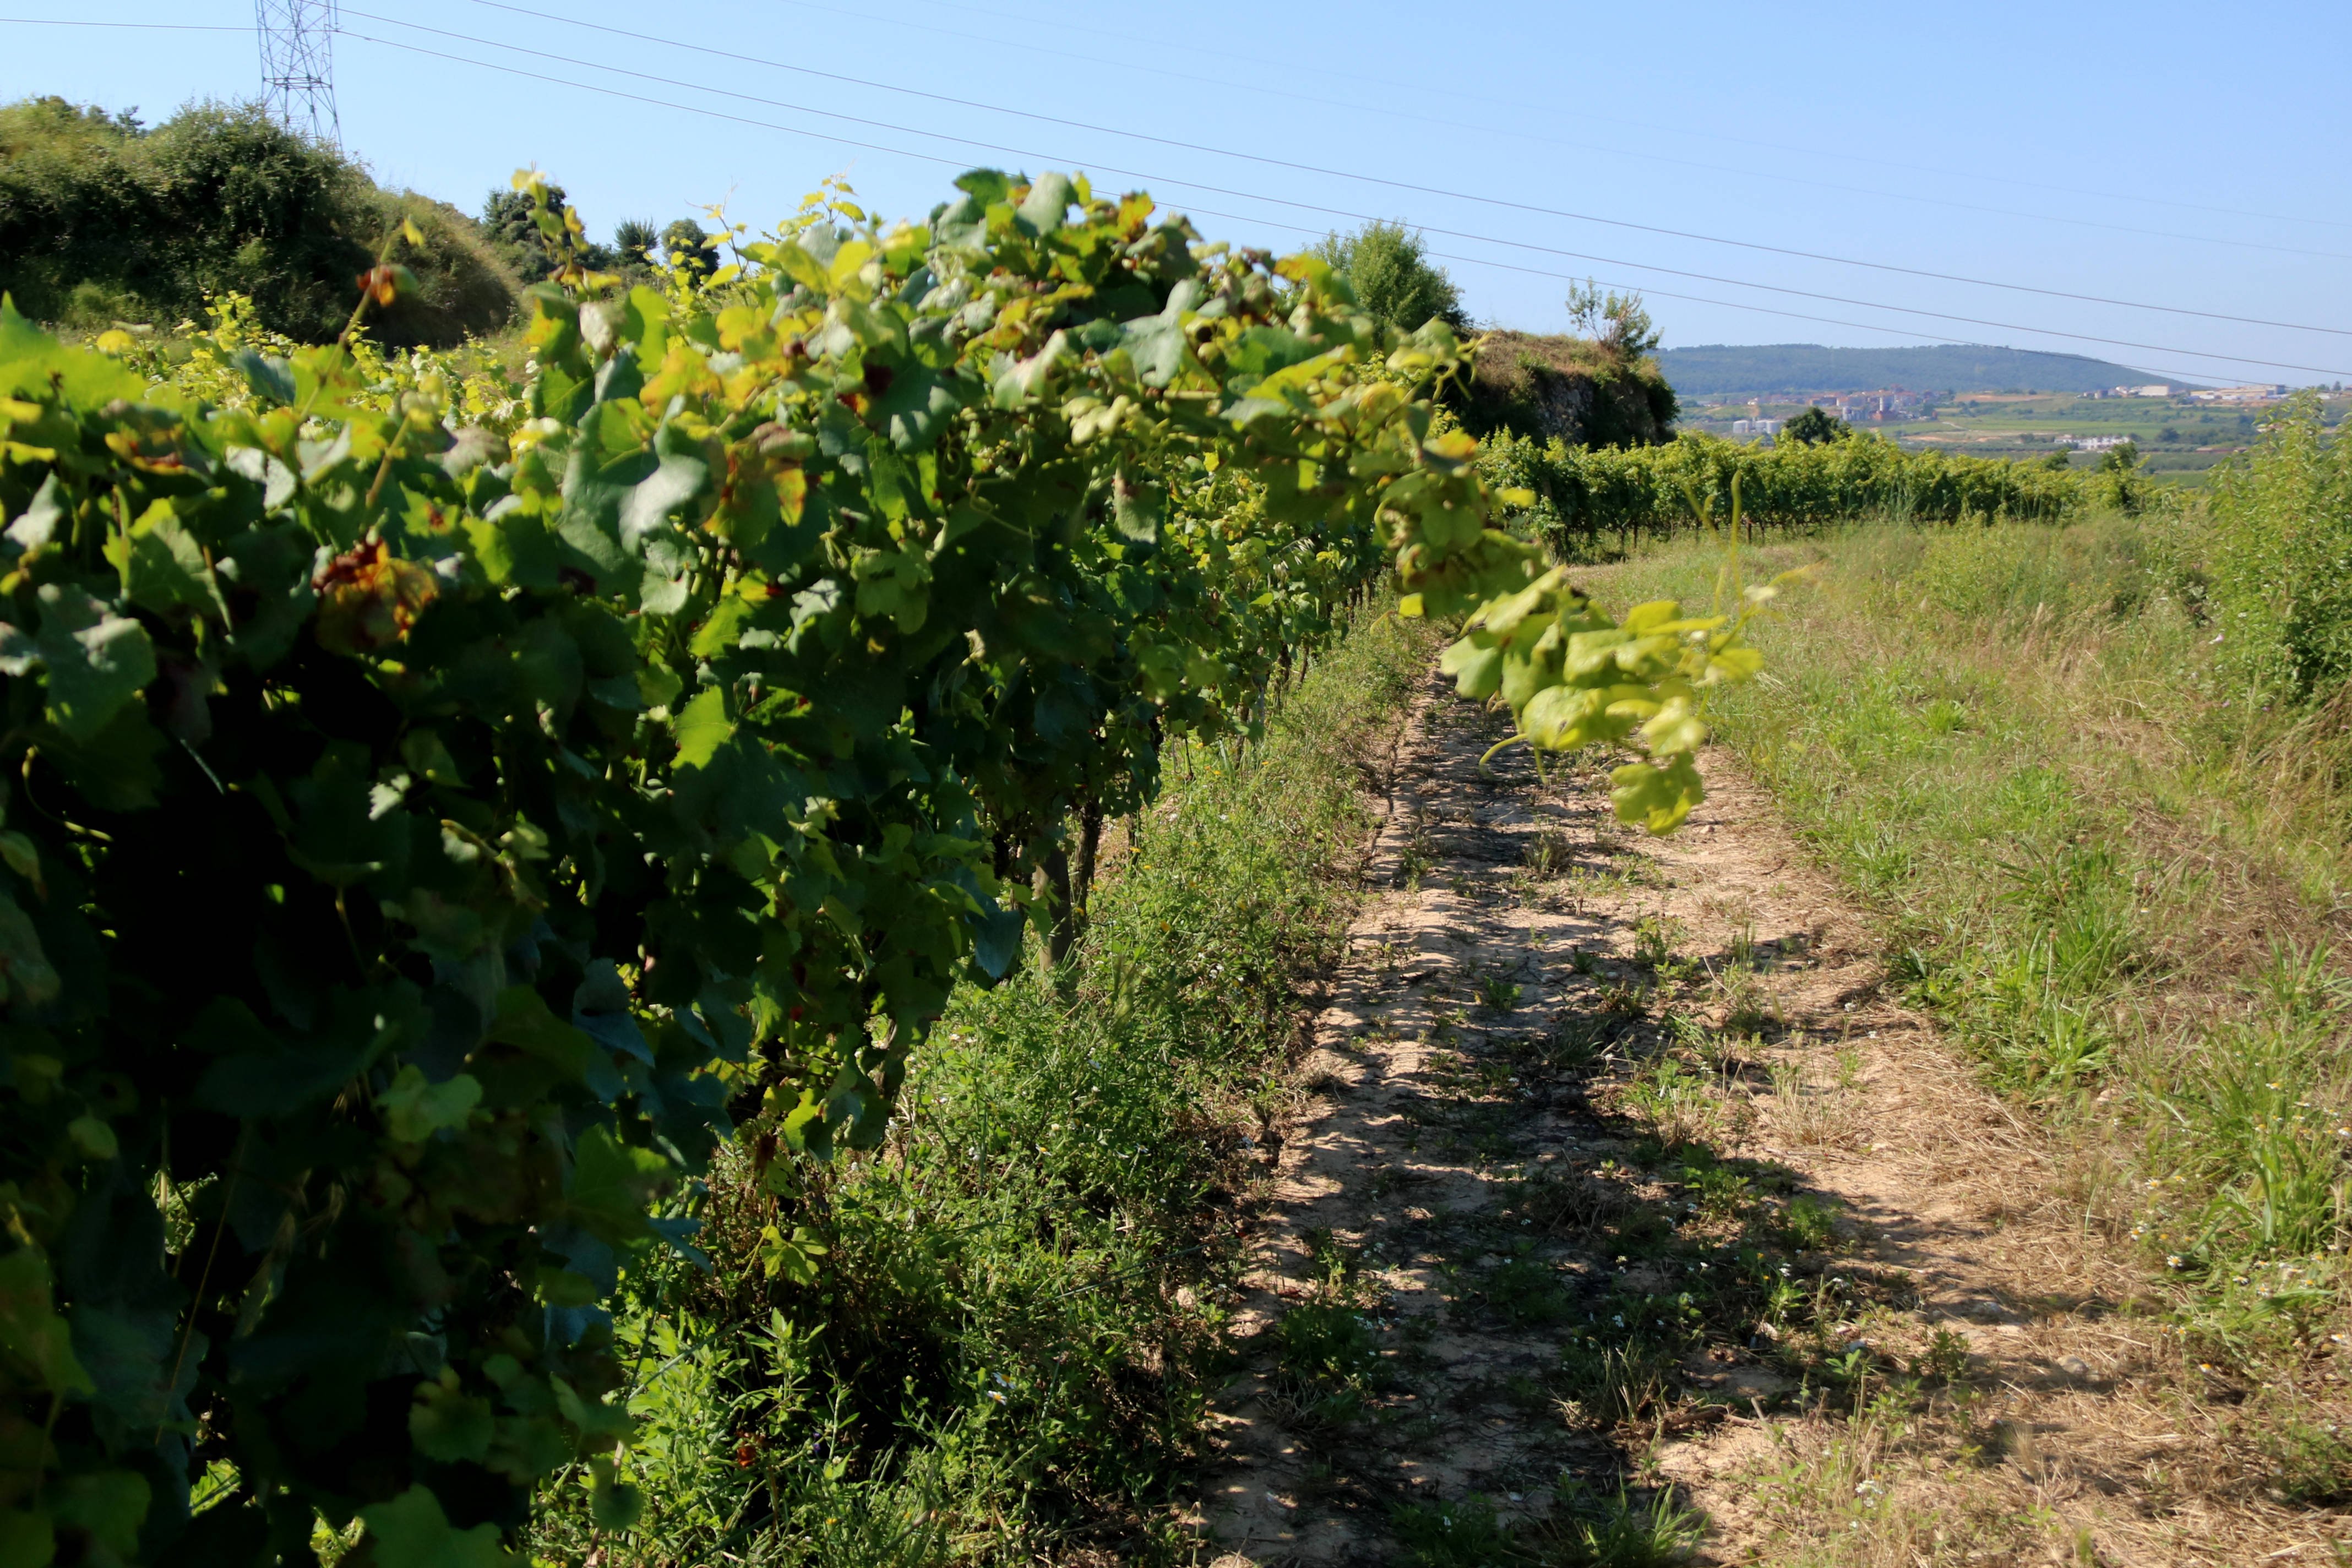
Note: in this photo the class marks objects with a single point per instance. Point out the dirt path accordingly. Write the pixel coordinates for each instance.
(1620, 1205)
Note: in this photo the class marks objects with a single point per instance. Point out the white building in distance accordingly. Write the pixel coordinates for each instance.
(2270, 393)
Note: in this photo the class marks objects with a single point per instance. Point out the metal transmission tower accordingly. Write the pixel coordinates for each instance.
(297, 65)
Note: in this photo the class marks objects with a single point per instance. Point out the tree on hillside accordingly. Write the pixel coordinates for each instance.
(635, 238)
(1815, 426)
(1618, 322)
(689, 249)
(507, 223)
(1389, 267)
(2120, 459)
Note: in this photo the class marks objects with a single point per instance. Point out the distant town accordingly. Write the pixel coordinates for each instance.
(2178, 430)
(1897, 405)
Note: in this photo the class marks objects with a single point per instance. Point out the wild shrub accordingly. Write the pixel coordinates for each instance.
(2276, 543)
(101, 220)
(1388, 265)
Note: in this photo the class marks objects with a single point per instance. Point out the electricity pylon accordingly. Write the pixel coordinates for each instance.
(297, 65)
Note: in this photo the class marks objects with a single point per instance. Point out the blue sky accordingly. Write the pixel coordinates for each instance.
(2186, 156)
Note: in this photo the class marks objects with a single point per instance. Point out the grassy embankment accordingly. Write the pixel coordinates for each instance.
(2101, 806)
(992, 1338)
(103, 221)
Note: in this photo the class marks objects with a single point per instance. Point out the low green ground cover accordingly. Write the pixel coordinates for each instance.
(991, 1337)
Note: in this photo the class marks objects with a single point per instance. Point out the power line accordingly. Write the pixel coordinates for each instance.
(1319, 170)
(1646, 291)
(1429, 120)
(1030, 46)
(899, 152)
(1842, 298)
(1520, 134)
(136, 27)
(1217, 190)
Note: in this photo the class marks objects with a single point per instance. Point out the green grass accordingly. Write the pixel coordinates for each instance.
(2107, 866)
(1586, 1530)
(1003, 1346)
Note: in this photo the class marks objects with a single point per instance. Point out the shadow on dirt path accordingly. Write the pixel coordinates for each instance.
(1623, 1216)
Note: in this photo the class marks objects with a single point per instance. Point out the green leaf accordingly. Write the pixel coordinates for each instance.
(857, 1110)
(915, 409)
(132, 1354)
(702, 728)
(32, 1335)
(95, 659)
(1156, 343)
(996, 939)
(115, 770)
(1649, 617)
(794, 261)
(1658, 799)
(1137, 508)
(19, 854)
(717, 634)
(1478, 671)
(415, 1109)
(163, 567)
(429, 758)
(266, 377)
(412, 1531)
(1048, 201)
(31, 361)
(795, 1257)
(94, 1138)
(25, 974)
(448, 1425)
(27, 1539)
(1736, 662)
(598, 1423)
(37, 524)
(525, 1021)
(675, 482)
(108, 1507)
(612, 1185)
(1677, 729)
(615, 1505)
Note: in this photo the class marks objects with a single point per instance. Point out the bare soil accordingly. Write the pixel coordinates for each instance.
(1569, 1073)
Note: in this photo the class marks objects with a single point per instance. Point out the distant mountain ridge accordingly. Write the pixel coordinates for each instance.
(1716, 370)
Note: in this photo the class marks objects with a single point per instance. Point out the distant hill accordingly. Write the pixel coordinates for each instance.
(1717, 369)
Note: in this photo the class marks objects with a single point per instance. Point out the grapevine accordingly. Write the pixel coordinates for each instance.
(438, 813)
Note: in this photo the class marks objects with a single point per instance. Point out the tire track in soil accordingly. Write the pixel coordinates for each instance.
(1452, 1080)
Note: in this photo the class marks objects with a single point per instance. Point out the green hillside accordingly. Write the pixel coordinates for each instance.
(103, 219)
(1714, 370)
